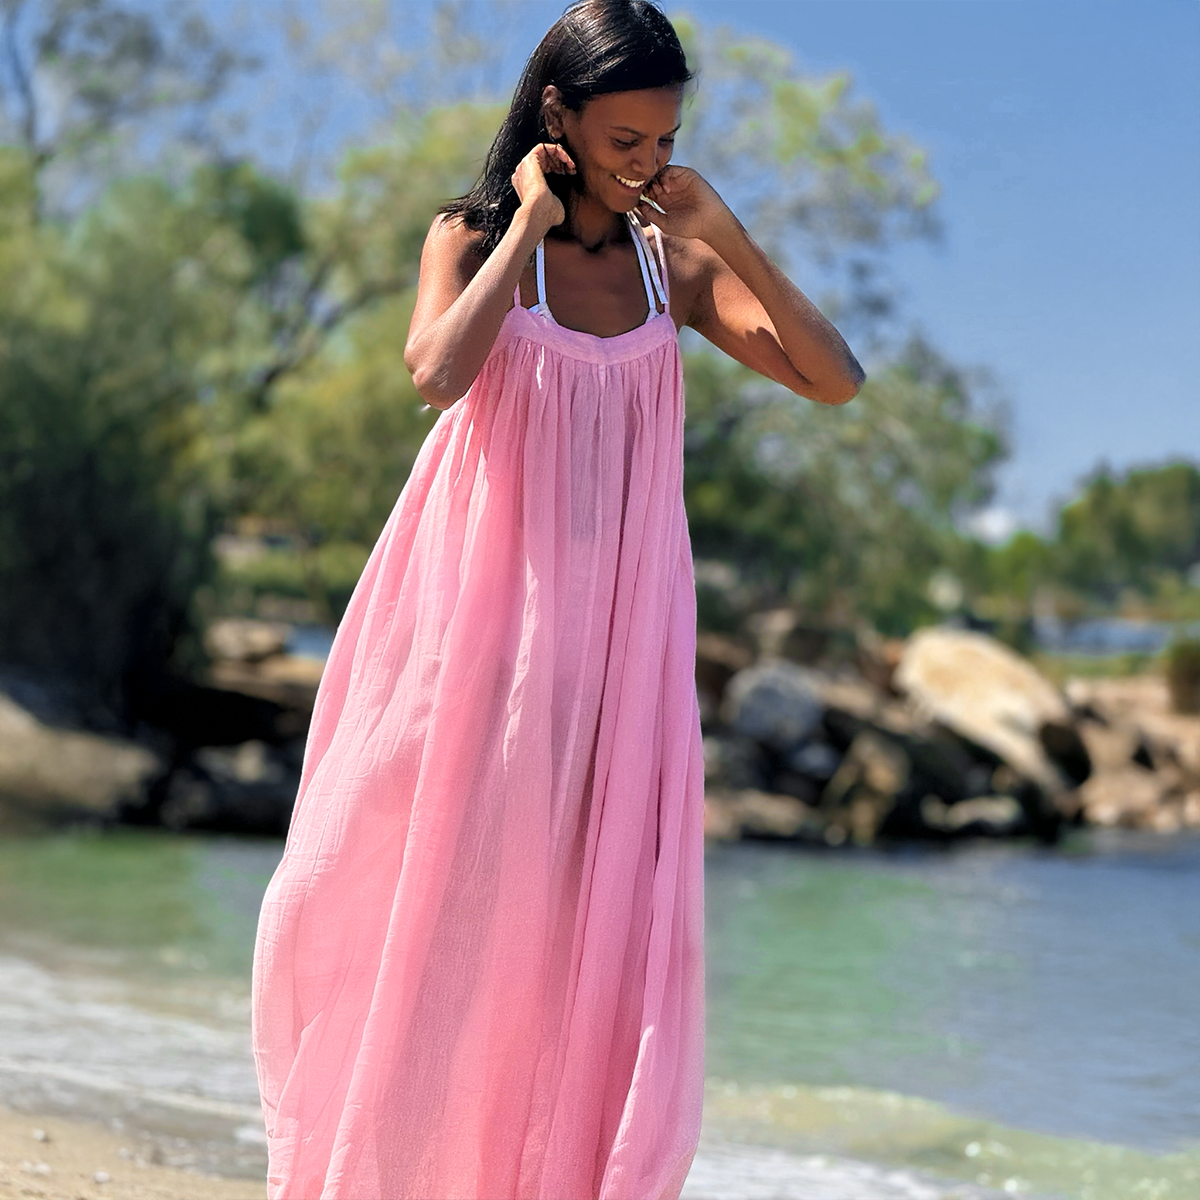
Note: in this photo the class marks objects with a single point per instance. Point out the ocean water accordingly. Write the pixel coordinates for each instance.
(990, 1020)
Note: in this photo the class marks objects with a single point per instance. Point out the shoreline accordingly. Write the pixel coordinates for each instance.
(61, 1158)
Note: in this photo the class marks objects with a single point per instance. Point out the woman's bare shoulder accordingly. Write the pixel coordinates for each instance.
(451, 245)
(690, 270)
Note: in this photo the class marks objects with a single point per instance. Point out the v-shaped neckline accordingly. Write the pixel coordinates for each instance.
(653, 283)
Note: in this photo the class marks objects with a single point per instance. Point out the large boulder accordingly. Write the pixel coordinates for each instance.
(774, 702)
(54, 772)
(733, 762)
(988, 694)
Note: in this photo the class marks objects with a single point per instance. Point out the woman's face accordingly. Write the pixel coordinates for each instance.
(619, 141)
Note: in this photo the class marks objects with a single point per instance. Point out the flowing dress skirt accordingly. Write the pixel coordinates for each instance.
(479, 965)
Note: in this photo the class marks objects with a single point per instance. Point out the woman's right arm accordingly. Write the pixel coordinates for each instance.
(460, 302)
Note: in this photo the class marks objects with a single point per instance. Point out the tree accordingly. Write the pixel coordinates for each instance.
(845, 511)
(1128, 531)
(80, 79)
(105, 512)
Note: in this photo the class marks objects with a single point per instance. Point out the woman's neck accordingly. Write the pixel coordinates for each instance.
(592, 225)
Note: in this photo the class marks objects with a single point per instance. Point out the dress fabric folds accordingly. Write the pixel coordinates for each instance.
(479, 966)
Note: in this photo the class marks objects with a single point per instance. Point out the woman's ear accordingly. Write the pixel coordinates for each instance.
(552, 111)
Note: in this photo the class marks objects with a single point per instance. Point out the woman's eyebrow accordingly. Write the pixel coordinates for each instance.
(638, 132)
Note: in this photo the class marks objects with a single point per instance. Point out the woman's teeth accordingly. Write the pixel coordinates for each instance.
(631, 183)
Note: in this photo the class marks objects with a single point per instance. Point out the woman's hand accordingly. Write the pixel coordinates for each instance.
(529, 179)
(690, 204)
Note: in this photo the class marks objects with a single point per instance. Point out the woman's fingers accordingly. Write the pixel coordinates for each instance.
(552, 157)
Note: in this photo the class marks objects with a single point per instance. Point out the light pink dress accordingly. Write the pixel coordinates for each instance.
(479, 965)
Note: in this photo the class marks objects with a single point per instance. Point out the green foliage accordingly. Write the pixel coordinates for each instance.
(1123, 542)
(105, 518)
(1183, 674)
(844, 510)
(322, 575)
(1128, 531)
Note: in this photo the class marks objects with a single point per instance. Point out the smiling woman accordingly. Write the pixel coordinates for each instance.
(479, 965)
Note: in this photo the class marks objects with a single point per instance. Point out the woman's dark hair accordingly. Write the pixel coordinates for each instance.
(595, 47)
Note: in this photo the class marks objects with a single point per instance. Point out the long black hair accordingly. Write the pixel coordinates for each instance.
(595, 47)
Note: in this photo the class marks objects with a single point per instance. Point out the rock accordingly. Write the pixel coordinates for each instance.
(872, 762)
(877, 658)
(757, 814)
(776, 703)
(720, 819)
(287, 682)
(1189, 810)
(718, 658)
(242, 639)
(1110, 746)
(982, 816)
(63, 772)
(988, 694)
(195, 714)
(1143, 703)
(814, 759)
(872, 776)
(1127, 796)
(1066, 749)
(250, 788)
(251, 762)
(792, 783)
(733, 762)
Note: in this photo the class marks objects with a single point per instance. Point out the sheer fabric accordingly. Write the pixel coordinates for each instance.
(479, 965)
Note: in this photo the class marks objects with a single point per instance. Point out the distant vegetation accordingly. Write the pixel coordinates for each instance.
(197, 345)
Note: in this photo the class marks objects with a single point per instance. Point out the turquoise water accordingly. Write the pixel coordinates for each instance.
(1055, 990)
(1019, 1018)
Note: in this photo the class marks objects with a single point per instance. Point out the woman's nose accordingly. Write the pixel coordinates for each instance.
(646, 166)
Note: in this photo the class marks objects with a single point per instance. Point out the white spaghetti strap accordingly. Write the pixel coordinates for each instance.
(541, 278)
(662, 258)
(648, 265)
(641, 257)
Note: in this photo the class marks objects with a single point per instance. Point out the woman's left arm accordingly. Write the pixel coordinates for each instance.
(744, 304)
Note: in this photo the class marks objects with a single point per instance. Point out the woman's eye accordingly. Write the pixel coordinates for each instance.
(624, 145)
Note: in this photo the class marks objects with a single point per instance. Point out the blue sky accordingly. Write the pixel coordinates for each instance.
(1066, 138)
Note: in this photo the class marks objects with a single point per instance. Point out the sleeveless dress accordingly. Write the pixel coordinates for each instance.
(478, 973)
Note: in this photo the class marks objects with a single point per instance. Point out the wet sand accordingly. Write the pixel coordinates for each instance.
(52, 1158)
(74, 1160)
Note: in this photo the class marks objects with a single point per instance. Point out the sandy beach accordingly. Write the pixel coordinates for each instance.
(50, 1158)
(56, 1159)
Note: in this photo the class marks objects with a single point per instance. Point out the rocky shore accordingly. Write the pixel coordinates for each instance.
(944, 735)
(810, 736)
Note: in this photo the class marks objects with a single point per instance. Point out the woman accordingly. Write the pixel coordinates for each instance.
(479, 969)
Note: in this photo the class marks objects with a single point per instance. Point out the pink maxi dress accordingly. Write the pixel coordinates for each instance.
(479, 965)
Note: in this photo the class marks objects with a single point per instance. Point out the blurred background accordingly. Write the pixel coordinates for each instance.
(949, 651)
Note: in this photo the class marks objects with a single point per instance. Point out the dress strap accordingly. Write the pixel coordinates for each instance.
(541, 278)
(662, 259)
(649, 269)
